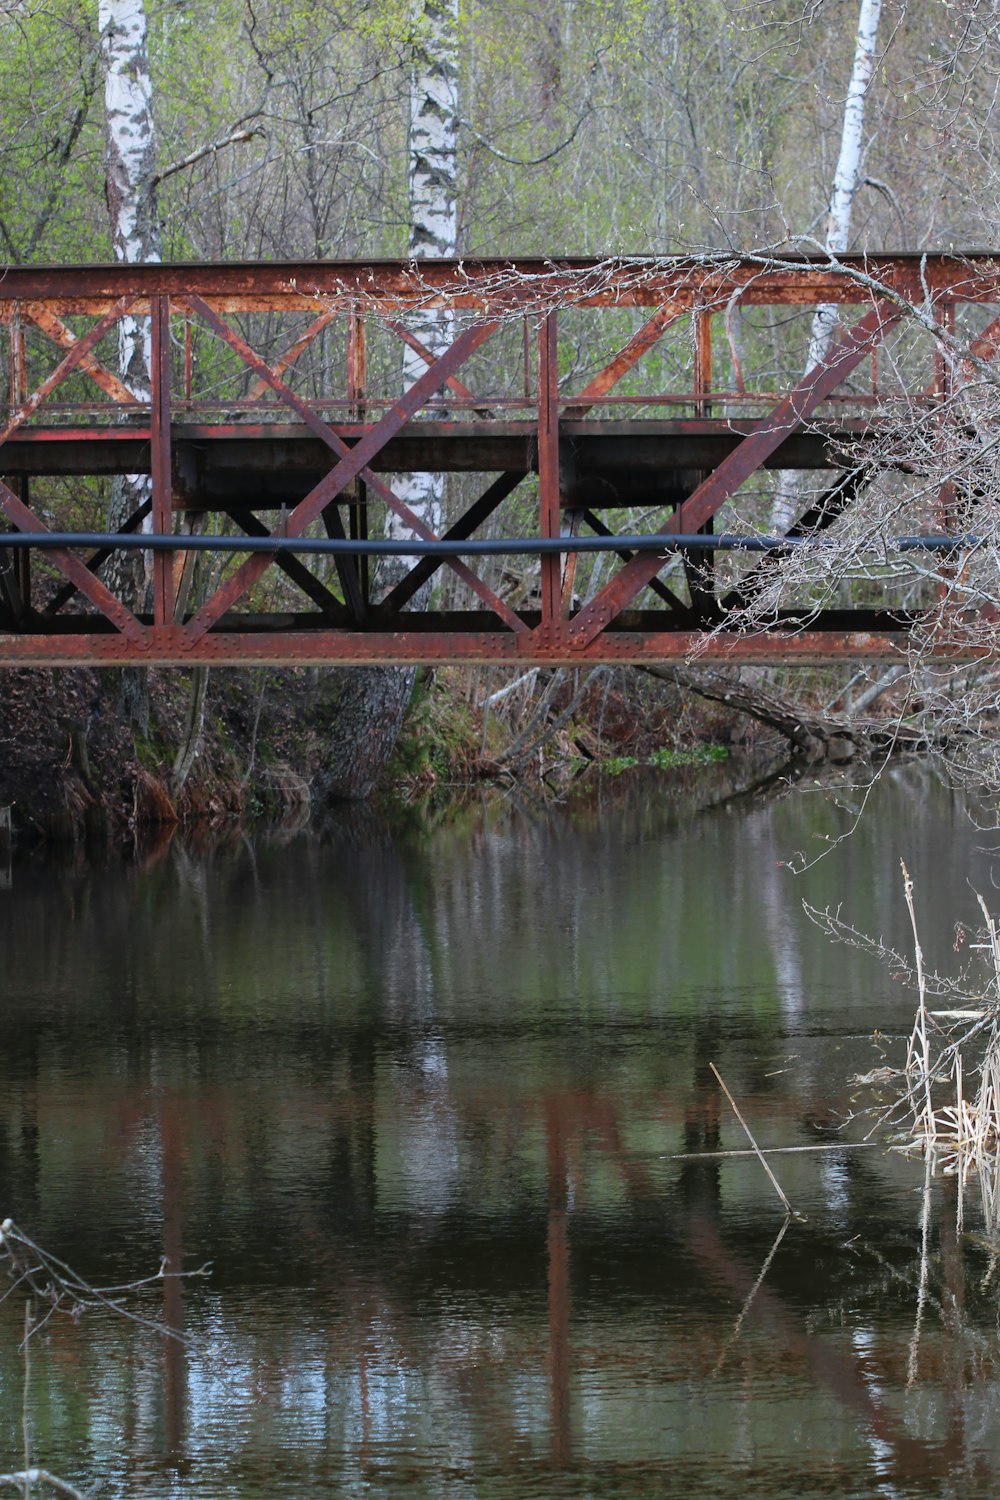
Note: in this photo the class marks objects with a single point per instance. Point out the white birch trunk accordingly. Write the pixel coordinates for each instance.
(135, 236)
(433, 220)
(371, 701)
(838, 226)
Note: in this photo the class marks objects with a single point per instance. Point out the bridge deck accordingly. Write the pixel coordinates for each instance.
(629, 406)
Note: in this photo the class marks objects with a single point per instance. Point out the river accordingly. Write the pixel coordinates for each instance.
(424, 1106)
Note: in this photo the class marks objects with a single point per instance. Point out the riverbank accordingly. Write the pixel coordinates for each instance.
(237, 745)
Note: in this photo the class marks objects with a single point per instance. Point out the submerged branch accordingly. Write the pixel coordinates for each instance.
(759, 1153)
(26, 1478)
(59, 1288)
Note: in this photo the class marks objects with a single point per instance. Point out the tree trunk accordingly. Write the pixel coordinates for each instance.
(135, 237)
(838, 226)
(368, 706)
(187, 752)
(433, 228)
(372, 700)
(811, 733)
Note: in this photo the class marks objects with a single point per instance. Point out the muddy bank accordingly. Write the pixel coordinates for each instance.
(265, 742)
(72, 767)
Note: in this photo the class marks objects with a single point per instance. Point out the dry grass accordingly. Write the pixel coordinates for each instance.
(949, 1105)
(944, 1101)
(945, 1047)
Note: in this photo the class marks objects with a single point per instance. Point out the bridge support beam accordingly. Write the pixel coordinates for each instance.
(628, 444)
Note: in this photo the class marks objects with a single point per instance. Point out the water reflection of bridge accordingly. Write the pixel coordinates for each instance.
(419, 1165)
(602, 419)
(398, 1294)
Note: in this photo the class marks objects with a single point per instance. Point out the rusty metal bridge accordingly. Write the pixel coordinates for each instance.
(627, 409)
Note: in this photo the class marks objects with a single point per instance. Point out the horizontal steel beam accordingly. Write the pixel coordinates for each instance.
(671, 452)
(515, 284)
(169, 647)
(601, 458)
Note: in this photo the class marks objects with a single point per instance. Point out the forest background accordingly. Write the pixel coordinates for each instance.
(596, 127)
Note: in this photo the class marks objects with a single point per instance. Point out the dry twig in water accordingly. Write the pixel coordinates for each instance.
(757, 1151)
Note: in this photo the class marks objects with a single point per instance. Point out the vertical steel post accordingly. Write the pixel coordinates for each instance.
(944, 389)
(357, 379)
(942, 366)
(548, 464)
(163, 511)
(18, 370)
(702, 361)
(192, 521)
(11, 581)
(700, 571)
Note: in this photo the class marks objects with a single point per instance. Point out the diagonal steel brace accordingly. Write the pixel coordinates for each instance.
(354, 462)
(76, 356)
(737, 466)
(76, 570)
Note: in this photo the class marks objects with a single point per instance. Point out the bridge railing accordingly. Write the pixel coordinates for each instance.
(597, 387)
(648, 334)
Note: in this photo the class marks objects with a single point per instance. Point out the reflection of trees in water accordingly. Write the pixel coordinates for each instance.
(417, 1320)
(699, 1182)
(384, 965)
(415, 1099)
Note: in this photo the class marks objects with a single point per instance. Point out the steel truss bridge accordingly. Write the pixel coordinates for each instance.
(627, 408)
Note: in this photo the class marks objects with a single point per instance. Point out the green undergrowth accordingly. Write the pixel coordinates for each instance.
(439, 739)
(446, 742)
(665, 759)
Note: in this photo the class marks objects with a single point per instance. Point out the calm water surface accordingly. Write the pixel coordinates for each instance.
(428, 1102)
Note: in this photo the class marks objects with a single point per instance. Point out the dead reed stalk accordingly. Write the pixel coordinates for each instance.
(958, 1131)
(918, 1055)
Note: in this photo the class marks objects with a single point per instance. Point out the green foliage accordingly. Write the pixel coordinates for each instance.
(665, 758)
(616, 125)
(51, 123)
(152, 751)
(615, 764)
(439, 738)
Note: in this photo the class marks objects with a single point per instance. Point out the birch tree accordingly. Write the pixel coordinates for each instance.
(847, 179)
(372, 701)
(131, 153)
(432, 194)
(130, 171)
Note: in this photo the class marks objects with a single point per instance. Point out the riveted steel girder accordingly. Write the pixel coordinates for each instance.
(297, 440)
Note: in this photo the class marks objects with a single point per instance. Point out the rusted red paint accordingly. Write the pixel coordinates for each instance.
(745, 460)
(76, 571)
(353, 464)
(593, 450)
(163, 572)
(77, 356)
(516, 283)
(548, 463)
(56, 330)
(326, 647)
(627, 357)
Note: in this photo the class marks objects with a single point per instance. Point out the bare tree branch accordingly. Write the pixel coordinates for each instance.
(236, 139)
